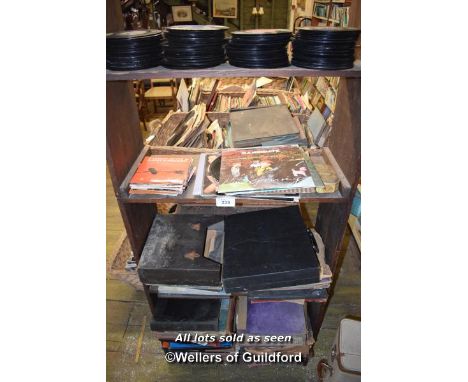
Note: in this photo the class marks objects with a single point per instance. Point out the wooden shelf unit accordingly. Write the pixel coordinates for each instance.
(124, 144)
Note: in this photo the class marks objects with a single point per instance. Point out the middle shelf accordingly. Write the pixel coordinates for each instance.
(187, 197)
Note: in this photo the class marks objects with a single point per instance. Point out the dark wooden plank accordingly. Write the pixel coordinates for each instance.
(123, 137)
(226, 70)
(123, 145)
(188, 198)
(345, 138)
(114, 18)
(344, 143)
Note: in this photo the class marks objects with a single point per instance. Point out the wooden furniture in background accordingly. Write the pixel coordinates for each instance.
(139, 89)
(162, 89)
(328, 17)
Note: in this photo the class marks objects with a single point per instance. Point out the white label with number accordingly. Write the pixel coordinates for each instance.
(225, 201)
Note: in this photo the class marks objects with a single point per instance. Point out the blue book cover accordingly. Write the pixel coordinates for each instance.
(275, 318)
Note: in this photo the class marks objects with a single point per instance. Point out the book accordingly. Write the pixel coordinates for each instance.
(162, 173)
(278, 318)
(315, 125)
(278, 168)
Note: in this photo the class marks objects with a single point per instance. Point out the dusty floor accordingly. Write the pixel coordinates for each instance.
(127, 307)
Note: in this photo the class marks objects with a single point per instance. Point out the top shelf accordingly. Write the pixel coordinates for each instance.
(226, 70)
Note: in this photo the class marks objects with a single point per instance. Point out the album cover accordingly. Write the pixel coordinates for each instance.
(264, 169)
(162, 170)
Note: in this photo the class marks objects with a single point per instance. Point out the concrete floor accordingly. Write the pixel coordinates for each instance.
(127, 307)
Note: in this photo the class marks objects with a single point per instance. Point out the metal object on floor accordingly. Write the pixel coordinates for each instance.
(344, 363)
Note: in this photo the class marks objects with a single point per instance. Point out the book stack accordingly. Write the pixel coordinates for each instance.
(162, 175)
(243, 273)
(189, 131)
(295, 103)
(224, 102)
(317, 128)
(265, 126)
(278, 170)
(268, 100)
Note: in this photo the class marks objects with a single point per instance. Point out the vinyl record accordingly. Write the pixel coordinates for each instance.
(327, 48)
(194, 43)
(196, 28)
(133, 50)
(214, 169)
(322, 65)
(193, 52)
(259, 48)
(258, 35)
(196, 31)
(254, 65)
(133, 35)
(194, 46)
(255, 47)
(182, 65)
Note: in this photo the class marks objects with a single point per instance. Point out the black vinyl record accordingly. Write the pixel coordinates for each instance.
(327, 48)
(133, 50)
(255, 65)
(197, 65)
(256, 35)
(181, 29)
(259, 48)
(194, 46)
(214, 169)
(323, 65)
(133, 35)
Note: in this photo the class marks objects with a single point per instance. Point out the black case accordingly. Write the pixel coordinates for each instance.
(268, 249)
(171, 249)
(180, 314)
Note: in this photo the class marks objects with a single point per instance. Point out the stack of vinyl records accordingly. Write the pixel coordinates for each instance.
(259, 48)
(162, 175)
(133, 50)
(329, 48)
(194, 46)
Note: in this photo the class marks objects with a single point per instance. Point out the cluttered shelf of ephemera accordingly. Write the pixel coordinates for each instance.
(260, 141)
(254, 141)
